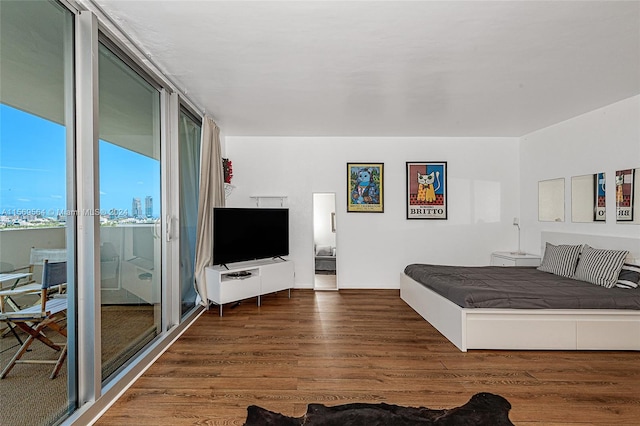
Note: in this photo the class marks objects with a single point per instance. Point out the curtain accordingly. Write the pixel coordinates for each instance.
(211, 195)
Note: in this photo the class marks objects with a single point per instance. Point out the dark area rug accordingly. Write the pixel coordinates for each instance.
(482, 409)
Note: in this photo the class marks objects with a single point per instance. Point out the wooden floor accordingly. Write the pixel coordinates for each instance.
(363, 346)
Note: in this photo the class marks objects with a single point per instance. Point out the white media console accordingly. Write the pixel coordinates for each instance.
(244, 280)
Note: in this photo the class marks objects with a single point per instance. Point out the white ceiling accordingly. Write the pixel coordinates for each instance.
(390, 68)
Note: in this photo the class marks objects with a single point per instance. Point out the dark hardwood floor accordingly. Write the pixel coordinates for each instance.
(363, 346)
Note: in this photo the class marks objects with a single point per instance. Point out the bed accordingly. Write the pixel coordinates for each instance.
(325, 260)
(566, 323)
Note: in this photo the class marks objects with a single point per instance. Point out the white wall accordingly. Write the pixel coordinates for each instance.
(483, 197)
(15, 244)
(604, 140)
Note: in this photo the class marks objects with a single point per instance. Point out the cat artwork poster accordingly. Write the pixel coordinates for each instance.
(427, 190)
(624, 195)
(365, 188)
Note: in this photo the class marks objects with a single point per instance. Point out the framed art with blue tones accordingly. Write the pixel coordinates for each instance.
(600, 209)
(365, 188)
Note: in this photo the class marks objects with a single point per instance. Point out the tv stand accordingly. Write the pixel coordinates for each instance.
(243, 280)
(239, 274)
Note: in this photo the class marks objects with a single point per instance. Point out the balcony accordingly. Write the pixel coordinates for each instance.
(129, 317)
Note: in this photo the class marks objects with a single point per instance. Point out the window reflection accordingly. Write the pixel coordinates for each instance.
(627, 201)
(551, 200)
(588, 198)
(130, 202)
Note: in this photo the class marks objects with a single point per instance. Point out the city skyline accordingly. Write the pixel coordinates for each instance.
(33, 169)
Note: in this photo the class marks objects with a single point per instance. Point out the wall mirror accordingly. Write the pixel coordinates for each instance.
(324, 241)
(551, 200)
(588, 198)
(627, 203)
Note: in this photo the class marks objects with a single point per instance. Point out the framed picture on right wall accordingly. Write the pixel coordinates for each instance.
(624, 195)
(426, 190)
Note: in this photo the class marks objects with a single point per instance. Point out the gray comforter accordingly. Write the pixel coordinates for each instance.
(518, 288)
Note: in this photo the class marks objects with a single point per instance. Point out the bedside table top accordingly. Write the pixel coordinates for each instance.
(514, 255)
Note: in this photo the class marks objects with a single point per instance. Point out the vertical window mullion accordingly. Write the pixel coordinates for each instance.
(70, 121)
(88, 305)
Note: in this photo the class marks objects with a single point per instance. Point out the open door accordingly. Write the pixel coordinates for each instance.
(324, 241)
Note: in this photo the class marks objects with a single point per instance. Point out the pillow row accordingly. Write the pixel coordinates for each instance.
(585, 263)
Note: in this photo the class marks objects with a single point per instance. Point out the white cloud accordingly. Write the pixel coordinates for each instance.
(25, 169)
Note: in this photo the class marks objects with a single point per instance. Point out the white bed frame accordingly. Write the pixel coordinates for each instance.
(541, 329)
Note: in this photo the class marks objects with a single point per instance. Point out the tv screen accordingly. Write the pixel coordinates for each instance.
(241, 234)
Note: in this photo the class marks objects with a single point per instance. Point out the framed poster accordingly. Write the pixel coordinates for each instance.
(624, 195)
(427, 190)
(600, 210)
(365, 188)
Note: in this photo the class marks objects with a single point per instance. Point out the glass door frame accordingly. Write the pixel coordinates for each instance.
(92, 396)
(90, 33)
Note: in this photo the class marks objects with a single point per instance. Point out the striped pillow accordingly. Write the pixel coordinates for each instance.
(599, 266)
(560, 260)
(629, 276)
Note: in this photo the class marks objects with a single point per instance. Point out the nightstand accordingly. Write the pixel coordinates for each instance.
(506, 258)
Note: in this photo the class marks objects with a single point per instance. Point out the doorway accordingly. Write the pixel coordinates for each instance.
(324, 241)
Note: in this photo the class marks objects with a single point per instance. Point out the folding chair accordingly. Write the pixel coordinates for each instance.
(38, 255)
(6, 299)
(49, 313)
(24, 279)
(28, 284)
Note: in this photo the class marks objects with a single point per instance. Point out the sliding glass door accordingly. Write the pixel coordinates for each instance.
(36, 200)
(48, 167)
(189, 129)
(130, 243)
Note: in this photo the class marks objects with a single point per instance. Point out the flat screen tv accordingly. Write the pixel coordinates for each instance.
(241, 234)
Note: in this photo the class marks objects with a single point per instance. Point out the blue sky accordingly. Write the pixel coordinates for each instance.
(33, 168)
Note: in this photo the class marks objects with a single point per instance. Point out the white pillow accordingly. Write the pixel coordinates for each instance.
(600, 266)
(323, 250)
(560, 260)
